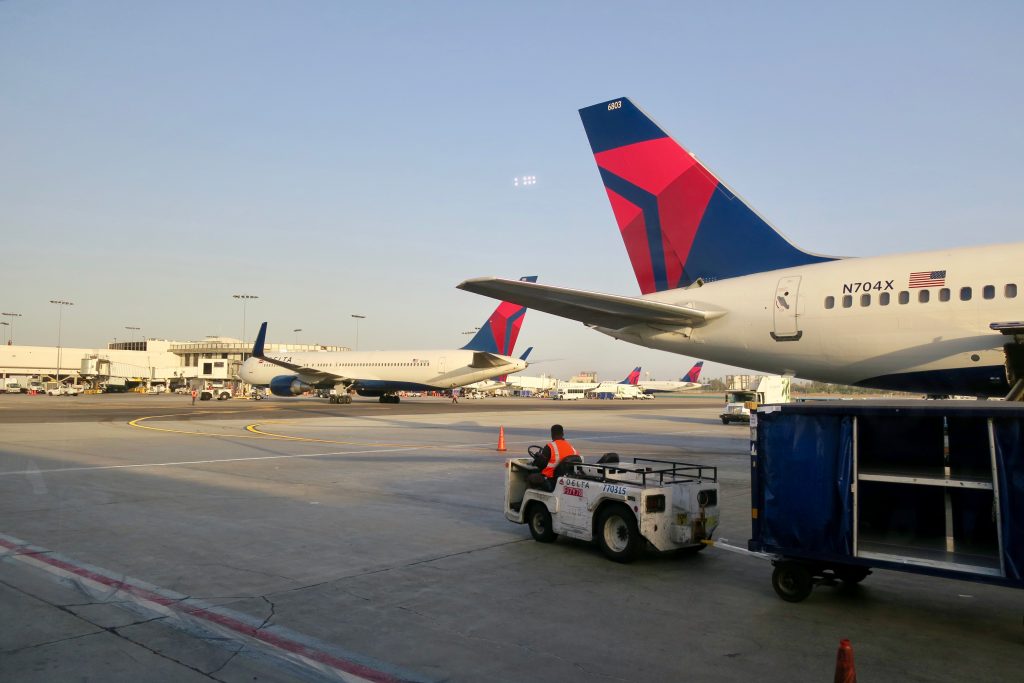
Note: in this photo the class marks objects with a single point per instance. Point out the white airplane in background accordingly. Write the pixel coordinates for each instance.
(720, 283)
(385, 373)
(691, 380)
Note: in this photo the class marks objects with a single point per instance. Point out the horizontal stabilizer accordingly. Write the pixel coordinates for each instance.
(482, 359)
(610, 311)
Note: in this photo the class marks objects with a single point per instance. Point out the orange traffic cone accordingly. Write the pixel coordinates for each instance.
(845, 671)
(501, 439)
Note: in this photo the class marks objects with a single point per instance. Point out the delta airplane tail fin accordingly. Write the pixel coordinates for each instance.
(632, 378)
(499, 332)
(678, 221)
(694, 374)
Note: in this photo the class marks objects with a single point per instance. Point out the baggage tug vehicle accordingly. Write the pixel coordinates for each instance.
(622, 506)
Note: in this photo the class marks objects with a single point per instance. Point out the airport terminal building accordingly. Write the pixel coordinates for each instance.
(153, 364)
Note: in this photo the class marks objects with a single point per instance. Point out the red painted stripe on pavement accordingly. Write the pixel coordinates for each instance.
(278, 641)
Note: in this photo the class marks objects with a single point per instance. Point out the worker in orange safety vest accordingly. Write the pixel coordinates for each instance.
(547, 460)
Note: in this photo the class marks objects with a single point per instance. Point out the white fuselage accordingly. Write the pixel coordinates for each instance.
(391, 370)
(657, 386)
(781, 321)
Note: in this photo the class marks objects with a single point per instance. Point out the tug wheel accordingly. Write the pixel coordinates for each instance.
(539, 520)
(618, 535)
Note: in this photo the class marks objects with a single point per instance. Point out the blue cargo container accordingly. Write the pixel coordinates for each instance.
(930, 487)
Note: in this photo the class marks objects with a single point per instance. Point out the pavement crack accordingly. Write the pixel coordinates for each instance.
(382, 570)
(113, 630)
(27, 648)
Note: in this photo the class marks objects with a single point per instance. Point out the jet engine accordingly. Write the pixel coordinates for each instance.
(288, 385)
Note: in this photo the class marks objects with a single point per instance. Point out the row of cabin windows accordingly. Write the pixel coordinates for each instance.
(369, 365)
(923, 296)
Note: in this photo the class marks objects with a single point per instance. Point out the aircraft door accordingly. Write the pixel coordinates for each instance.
(786, 319)
(441, 365)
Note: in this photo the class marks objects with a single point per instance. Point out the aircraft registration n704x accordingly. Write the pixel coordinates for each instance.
(718, 282)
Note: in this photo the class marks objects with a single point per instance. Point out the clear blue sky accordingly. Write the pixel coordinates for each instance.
(337, 158)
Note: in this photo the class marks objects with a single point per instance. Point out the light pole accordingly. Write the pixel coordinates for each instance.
(60, 316)
(12, 316)
(296, 331)
(132, 331)
(245, 300)
(5, 324)
(358, 318)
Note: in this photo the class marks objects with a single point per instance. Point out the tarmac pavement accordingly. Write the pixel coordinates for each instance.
(297, 540)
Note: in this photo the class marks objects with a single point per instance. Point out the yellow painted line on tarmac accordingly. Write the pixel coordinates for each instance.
(256, 433)
(255, 429)
(137, 424)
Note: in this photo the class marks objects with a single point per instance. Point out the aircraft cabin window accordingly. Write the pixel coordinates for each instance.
(865, 299)
(923, 296)
(883, 299)
(847, 301)
(989, 292)
(944, 294)
(830, 302)
(1010, 291)
(904, 297)
(965, 294)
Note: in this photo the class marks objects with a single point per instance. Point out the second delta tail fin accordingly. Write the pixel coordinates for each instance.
(678, 221)
(632, 378)
(499, 332)
(694, 374)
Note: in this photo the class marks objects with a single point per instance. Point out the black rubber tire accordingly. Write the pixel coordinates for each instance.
(724, 421)
(792, 581)
(348, 399)
(852, 575)
(539, 520)
(618, 534)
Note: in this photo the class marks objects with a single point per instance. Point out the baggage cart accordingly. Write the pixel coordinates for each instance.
(928, 487)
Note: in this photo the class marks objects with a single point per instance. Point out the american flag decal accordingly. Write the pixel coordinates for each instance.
(928, 278)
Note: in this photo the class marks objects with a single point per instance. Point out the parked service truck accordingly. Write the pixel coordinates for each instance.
(766, 389)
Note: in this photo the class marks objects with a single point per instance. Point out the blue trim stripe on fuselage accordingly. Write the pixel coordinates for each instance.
(988, 380)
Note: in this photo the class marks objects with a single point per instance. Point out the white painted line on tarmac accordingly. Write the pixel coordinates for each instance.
(183, 463)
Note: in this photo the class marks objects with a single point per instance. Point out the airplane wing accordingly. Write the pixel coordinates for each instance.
(610, 311)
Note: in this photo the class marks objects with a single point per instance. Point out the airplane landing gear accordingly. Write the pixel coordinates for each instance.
(343, 398)
(390, 398)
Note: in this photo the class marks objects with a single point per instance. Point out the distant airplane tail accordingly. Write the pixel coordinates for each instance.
(632, 378)
(500, 331)
(678, 221)
(694, 374)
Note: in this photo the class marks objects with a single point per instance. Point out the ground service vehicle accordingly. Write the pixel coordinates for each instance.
(769, 389)
(623, 507)
(219, 392)
(61, 389)
(15, 386)
(926, 487)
